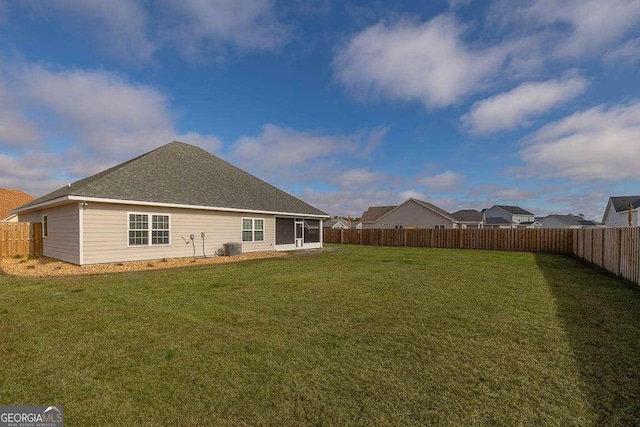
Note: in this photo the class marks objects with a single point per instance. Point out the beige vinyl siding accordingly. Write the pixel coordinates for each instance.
(30, 217)
(64, 231)
(496, 212)
(106, 233)
(410, 214)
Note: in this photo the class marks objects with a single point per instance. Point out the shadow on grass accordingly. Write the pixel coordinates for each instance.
(601, 318)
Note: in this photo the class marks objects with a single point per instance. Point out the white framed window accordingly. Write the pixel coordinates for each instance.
(45, 225)
(149, 229)
(252, 230)
(439, 226)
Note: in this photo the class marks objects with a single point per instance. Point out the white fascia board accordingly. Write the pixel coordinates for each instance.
(181, 206)
(57, 201)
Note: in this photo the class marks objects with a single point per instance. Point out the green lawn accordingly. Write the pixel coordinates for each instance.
(350, 336)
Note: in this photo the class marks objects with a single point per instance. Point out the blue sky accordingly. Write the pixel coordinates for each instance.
(462, 103)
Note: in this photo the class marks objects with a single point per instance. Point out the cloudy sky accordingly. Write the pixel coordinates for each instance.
(345, 104)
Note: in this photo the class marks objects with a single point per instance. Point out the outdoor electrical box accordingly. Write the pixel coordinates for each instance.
(232, 249)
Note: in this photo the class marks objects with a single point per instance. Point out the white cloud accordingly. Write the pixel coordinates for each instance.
(135, 30)
(217, 24)
(359, 177)
(597, 144)
(277, 147)
(347, 201)
(98, 119)
(485, 196)
(444, 181)
(515, 108)
(627, 53)
(413, 61)
(16, 130)
(593, 25)
(33, 172)
(409, 194)
(119, 27)
(110, 115)
(278, 151)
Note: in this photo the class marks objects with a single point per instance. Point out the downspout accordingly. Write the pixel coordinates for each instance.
(81, 207)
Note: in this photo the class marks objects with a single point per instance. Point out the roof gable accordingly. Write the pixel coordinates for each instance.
(386, 210)
(374, 213)
(621, 203)
(183, 174)
(434, 208)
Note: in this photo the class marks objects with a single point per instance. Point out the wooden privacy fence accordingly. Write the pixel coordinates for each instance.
(20, 238)
(507, 239)
(614, 249)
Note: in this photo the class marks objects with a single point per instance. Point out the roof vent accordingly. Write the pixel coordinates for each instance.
(69, 185)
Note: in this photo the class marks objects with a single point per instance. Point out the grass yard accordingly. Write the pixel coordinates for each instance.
(350, 336)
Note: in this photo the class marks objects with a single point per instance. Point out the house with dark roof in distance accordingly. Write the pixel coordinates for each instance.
(504, 216)
(469, 218)
(337, 223)
(616, 214)
(9, 200)
(170, 203)
(412, 213)
(566, 221)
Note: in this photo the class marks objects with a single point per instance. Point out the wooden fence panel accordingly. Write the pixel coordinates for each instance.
(20, 238)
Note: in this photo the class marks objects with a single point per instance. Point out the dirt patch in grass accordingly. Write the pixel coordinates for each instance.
(45, 267)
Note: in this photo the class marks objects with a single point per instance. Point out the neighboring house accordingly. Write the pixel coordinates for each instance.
(412, 213)
(514, 215)
(374, 213)
(566, 221)
(168, 203)
(497, 222)
(616, 213)
(469, 218)
(9, 200)
(337, 223)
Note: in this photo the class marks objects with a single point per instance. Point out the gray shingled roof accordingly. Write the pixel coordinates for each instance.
(179, 173)
(468, 215)
(514, 210)
(574, 220)
(374, 213)
(621, 203)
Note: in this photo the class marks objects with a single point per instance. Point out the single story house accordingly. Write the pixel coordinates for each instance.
(566, 221)
(9, 200)
(175, 201)
(412, 213)
(337, 223)
(469, 218)
(514, 215)
(616, 213)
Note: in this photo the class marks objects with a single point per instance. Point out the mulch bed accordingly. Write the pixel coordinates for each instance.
(44, 267)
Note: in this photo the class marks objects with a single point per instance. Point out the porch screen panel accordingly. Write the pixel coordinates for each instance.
(311, 231)
(285, 231)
